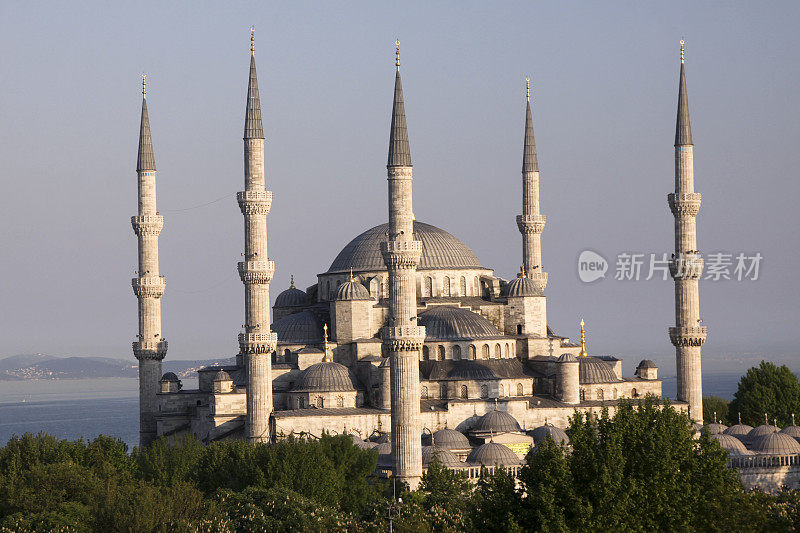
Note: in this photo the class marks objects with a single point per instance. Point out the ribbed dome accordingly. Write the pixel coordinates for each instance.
(325, 377)
(558, 435)
(730, 443)
(760, 431)
(739, 430)
(291, 297)
(366, 445)
(520, 287)
(496, 422)
(222, 376)
(792, 431)
(443, 323)
(299, 328)
(716, 429)
(567, 358)
(446, 457)
(594, 370)
(450, 439)
(169, 376)
(386, 437)
(647, 363)
(440, 250)
(491, 454)
(775, 443)
(352, 290)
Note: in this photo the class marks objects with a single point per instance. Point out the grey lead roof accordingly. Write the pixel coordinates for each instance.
(146, 160)
(444, 323)
(683, 129)
(252, 120)
(399, 151)
(530, 163)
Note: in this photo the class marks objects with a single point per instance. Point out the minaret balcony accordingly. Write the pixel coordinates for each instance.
(688, 336)
(256, 272)
(150, 350)
(684, 204)
(147, 224)
(538, 277)
(258, 343)
(686, 266)
(149, 286)
(403, 338)
(401, 254)
(531, 223)
(256, 202)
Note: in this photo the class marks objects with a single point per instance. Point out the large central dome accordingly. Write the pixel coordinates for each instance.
(440, 250)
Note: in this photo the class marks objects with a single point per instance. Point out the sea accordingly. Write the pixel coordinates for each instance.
(84, 408)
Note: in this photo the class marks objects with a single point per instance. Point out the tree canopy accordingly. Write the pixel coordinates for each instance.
(766, 389)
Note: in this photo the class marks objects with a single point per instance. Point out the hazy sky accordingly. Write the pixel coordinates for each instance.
(605, 79)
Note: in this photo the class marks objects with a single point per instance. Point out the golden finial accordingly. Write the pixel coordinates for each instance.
(325, 343)
(144, 85)
(740, 417)
(522, 272)
(252, 40)
(528, 88)
(583, 352)
(397, 54)
(682, 52)
(352, 279)
(291, 281)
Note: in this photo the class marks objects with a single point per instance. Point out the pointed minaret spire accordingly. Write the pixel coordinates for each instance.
(530, 162)
(146, 161)
(252, 121)
(683, 129)
(399, 150)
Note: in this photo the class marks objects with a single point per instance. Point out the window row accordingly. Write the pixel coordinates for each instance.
(500, 350)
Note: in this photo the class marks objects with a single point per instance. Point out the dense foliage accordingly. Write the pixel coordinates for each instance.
(638, 470)
(766, 389)
(716, 408)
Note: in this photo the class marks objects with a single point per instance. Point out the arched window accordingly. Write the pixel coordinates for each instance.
(508, 351)
(463, 286)
(425, 353)
(614, 394)
(464, 392)
(484, 391)
(456, 352)
(446, 286)
(287, 355)
(519, 389)
(423, 393)
(476, 287)
(339, 401)
(440, 353)
(582, 395)
(428, 287)
(328, 290)
(497, 351)
(600, 394)
(472, 351)
(500, 390)
(301, 403)
(375, 288)
(443, 390)
(320, 402)
(485, 353)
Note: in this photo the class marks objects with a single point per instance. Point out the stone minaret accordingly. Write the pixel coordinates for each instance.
(148, 286)
(686, 266)
(531, 221)
(257, 342)
(402, 337)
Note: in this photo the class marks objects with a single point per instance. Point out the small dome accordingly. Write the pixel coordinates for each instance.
(594, 370)
(291, 297)
(567, 358)
(450, 439)
(384, 454)
(775, 443)
(520, 287)
(792, 431)
(716, 429)
(730, 443)
(491, 454)
(366, 445)
(446, 457)
(170, 377)
(647, 363)
(299, 328)
(386, 437)
(222, 376)
(697, 427)
(326, 377)
(444, 323)
(496, 422)
(760, 431)
(739, 430)
(352, 290)
(542, 432)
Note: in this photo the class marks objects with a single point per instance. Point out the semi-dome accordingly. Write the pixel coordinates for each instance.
(445, 323)
(775, 443)
(440, 250)
(520, 287)
(352, 290)
(325, 377)
(558, 435)
(792, 431)
(221, 375)
(445, 457)
(170, 377)
(730, 443)
(299, 328)
(291, 297)
(450, 439)
(594, 370)
(739, 431)
(491, 454)
(496, 422)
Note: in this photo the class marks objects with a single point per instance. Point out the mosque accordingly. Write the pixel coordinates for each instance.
(408, 342)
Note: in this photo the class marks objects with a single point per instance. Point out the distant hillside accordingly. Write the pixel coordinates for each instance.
(40, 366)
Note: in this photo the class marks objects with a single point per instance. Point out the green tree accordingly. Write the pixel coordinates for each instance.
(716, 406)
(445, 494)
(769, 389)
(495, 503)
